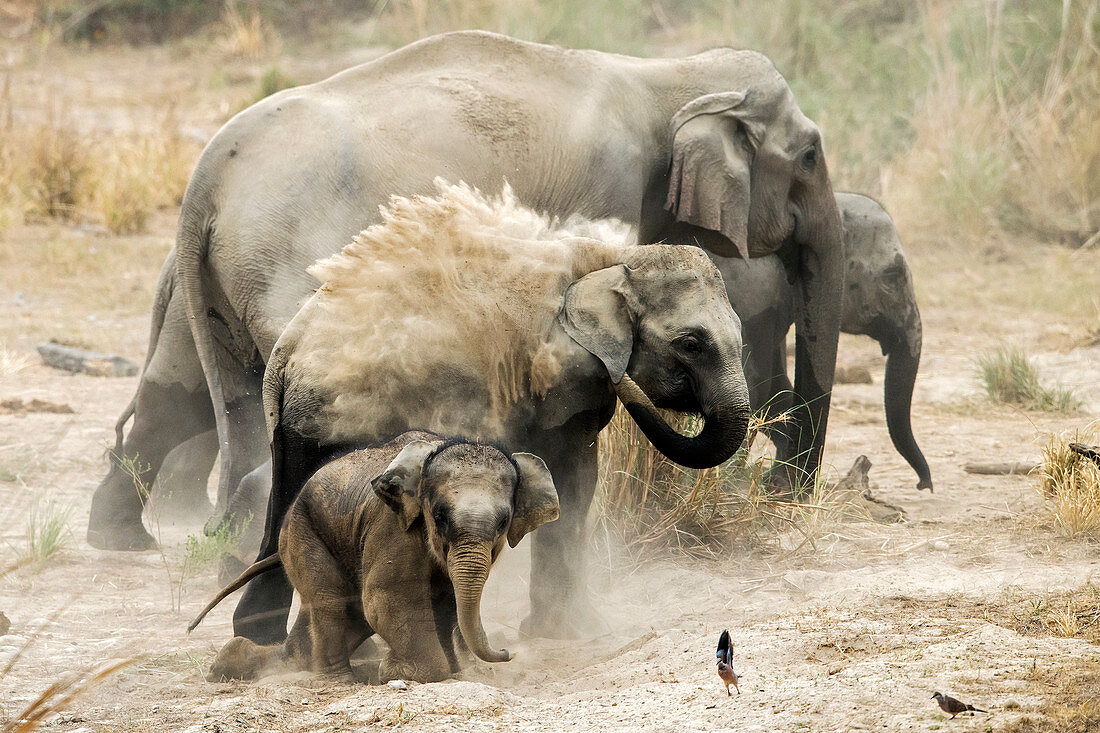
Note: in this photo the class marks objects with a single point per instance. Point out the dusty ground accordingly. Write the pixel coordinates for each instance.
(971, 596)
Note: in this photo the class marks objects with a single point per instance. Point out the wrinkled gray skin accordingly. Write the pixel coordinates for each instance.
(879, 301)
(398, 541)
(668, 145)
(654, 329)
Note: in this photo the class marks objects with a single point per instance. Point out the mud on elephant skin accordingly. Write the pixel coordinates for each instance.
(667, 145)
(525, 339)
(397, 541)
(879, 301)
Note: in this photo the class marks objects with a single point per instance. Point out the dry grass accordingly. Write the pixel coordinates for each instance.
(246, 36)
(1071, 483)
(54, 171)
(652, 505)
(1005, 142)
(12, 362)
(1070, 702)
(61, 694)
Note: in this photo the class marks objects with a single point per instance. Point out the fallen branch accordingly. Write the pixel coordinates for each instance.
(1091, 452)
(1001, 469)
(89, 362)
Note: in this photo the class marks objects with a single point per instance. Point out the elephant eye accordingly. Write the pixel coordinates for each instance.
(439, 516)
(690, 344)
(809, 159)
(502, 524)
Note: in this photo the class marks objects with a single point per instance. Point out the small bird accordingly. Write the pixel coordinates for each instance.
(949, 704)
(725, 662)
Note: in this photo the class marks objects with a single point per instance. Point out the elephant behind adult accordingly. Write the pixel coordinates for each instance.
(710, 148)
(879, 301)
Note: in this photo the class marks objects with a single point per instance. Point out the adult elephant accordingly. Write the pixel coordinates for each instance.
(879, 301)
(709, 149)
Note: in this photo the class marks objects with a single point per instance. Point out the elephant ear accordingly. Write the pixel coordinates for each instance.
(536, 500)
(399, 484)
(596, 316)
(709, 180)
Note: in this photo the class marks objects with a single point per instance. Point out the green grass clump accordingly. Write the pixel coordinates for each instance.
(273, 80)
(48, 531)
(1009, 376)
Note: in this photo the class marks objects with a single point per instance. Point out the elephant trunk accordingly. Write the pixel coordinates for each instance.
(468, 565)
(725, 416)
(902, 360)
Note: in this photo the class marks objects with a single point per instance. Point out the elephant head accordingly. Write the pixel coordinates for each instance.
(472, 497)
(880, 301)
(662, 326)
(747, 176)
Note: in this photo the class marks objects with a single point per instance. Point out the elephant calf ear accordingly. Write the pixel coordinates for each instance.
(709, 178)
(536, 500)
(399, 484)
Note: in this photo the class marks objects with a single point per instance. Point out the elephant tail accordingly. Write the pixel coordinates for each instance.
(257, 568)
(165, 285)
(192, 243)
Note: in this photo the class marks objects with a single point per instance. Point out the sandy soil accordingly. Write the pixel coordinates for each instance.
(853, 632)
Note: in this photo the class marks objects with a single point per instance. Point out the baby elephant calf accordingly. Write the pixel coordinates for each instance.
(396, 540)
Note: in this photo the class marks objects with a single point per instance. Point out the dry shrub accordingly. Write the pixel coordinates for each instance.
(52, 171)
(652, 505)
(246, 37)
(1071, 483)
(1005, 135)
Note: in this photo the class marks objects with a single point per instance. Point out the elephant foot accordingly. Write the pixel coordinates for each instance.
(244, 659)
(124, 537)
(398, 669)
(216, 521)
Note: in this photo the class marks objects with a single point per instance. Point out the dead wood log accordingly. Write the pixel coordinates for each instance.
(75, 360)
(1001, 469)
(1092, 452)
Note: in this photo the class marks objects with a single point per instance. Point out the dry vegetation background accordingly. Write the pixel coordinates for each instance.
(974, 121)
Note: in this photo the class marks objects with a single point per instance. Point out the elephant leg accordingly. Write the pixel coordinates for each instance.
(403, 616)
(247, 446)
(264, 607)
(445, 613)
(172, 406)
(765, 363)
(180, 493)
(559, 604)
(245, 520)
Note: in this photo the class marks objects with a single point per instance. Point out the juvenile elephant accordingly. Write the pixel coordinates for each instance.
(879, 301)
(469, 316)
(708, 149)
(397, 541)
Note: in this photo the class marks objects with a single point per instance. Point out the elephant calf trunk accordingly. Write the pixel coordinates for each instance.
(469, 569)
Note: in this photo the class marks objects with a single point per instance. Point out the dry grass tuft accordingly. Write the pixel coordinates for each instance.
(1071, 483)
(1070, 702)
(12, 362)
(652, 505)
(61, 694)
(247, 37)
(50, 171)
(1009, 376)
